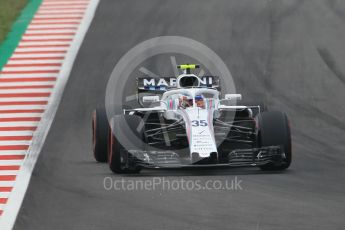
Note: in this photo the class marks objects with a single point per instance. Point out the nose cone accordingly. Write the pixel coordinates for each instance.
(197, 159)
(199, 129)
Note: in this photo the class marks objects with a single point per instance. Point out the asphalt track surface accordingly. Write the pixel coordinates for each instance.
(289, 53)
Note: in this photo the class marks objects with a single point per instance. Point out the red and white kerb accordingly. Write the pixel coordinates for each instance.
(28, 79)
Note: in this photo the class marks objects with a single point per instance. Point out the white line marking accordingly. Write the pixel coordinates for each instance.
(42, 11)
(11, 115)
(34, 49)
(47, 8)
(42, 43)
(31, 68)
(52, 31)
(53, 26)
(56, 19)
(6, 183)
(34, 61)
(64, 14)
(4, 173)
(28, 75)
(64, 2)
(2, 143)
(19, 123)
(14, 99)
(48, 90)
(12, 152)
(2, 107)
(19, 55)
(16, 133)
(60, 7)
(9, 84)
(39, 37)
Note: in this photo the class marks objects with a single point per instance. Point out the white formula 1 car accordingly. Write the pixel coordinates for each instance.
(189, 125)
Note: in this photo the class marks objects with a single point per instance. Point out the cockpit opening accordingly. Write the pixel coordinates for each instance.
(186, 101)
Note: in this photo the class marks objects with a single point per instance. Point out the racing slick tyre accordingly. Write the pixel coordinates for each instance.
(274, 130)
(124, 133)
(100, 129)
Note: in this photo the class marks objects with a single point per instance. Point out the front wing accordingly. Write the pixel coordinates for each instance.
(236, 158)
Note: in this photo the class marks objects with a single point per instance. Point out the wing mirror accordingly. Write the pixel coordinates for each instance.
(150, 98)
(232, 97)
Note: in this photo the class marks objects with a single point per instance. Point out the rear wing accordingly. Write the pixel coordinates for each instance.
(163, 84)
(156, 86)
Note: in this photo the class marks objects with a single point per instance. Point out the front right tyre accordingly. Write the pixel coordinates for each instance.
(274, 130)
(100, 129)
(126, 132)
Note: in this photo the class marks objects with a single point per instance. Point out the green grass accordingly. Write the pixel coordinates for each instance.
(9, 11)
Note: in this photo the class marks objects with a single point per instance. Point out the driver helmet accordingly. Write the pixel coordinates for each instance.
(199, 101)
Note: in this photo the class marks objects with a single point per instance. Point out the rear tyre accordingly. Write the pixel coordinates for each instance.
(274, 130)
(100, 129)
(124, 128)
